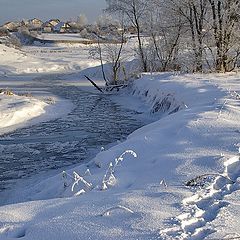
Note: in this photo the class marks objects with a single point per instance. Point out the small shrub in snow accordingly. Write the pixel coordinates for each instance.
(163, 183)
(109, 179)
(120, 158)
(77, 179)
(87, 173)
(64, 176)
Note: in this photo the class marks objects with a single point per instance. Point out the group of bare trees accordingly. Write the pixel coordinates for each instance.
(187, 35)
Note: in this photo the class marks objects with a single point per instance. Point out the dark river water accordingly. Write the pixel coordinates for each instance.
(94, 122)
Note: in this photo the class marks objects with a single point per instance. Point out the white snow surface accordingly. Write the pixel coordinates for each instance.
(16, 110)
(62, 36)
(141, 194)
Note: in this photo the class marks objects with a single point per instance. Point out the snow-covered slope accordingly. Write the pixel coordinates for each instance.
(141, 194)
(16, 110)
(46, 60)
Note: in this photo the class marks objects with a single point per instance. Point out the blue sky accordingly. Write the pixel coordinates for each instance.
(47, 9)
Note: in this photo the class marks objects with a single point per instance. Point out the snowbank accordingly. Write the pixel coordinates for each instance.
(16, 111)
(141, 194)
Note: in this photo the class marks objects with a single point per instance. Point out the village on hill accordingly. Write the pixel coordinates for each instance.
(36, 25)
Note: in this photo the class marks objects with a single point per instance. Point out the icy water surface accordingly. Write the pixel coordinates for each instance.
(95, 121)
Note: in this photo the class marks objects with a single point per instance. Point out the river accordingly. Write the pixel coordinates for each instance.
(95, 122)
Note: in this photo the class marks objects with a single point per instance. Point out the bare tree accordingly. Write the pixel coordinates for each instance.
(224, 15)
(203, 32)
(112, 54)
(193, 13)
(135, 11)
(81, 21)
(165, 32)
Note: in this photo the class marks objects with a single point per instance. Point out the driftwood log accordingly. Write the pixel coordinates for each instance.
(108, 88)
(94, 84)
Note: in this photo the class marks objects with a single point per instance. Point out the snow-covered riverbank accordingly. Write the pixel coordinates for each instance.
(141, 195)
(18, 111)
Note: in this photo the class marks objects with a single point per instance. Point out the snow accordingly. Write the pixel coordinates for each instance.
(48, 59)
(120, 193)
(15, 110)
(62, 36)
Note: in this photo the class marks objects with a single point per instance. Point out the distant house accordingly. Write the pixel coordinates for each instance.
(35, 23)
(11, 26)
(47, 27)
(62, 28)
(54, 22)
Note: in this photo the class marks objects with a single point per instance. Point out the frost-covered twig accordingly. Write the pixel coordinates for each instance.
(109, 178)
(120, 158)
(78, 179)
(108, 211)
(235, 95)
(221, 109)
(87, 173)
(163, 183)
(82, 191)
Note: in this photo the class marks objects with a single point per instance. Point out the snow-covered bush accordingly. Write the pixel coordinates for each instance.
(10, 40)
(25, 36)
(109, 179)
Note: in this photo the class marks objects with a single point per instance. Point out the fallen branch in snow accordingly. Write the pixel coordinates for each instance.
(108, 211)
(200, 181)
(94, 84)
